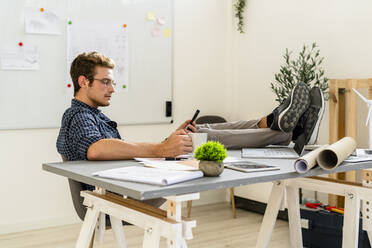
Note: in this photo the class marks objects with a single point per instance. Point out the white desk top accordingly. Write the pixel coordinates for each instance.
(82, 171)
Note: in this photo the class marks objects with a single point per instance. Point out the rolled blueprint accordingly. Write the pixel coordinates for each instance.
(308, 161)
(334, 154)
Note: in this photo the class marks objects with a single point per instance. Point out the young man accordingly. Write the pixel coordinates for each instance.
(297, 118)
(87, 134)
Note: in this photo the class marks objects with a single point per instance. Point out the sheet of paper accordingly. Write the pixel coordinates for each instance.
(24, 57)
(361, 155)
(149, 175)
(42, 22)
(161, 163)
(160, 20)
(107, 37)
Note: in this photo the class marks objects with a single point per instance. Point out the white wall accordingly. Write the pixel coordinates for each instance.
(32, 198)
(342, 31)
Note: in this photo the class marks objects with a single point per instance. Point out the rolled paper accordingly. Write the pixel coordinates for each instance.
(335, 154)
(308, 161)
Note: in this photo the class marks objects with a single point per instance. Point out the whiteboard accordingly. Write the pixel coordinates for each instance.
(37, 98)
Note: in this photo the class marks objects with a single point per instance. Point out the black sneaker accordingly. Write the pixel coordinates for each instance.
(289, 112)
(306, 132)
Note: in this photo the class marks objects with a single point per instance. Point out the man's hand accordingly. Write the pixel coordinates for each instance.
(178, 143)
(186, 125)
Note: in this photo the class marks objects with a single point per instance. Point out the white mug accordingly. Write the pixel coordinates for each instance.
(198, 139)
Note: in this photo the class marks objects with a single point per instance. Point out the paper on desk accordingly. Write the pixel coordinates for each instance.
(149, 175)
(361, 155)
(161, 163)
(308, 161)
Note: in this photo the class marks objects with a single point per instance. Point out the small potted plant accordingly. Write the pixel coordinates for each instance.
(211, 156)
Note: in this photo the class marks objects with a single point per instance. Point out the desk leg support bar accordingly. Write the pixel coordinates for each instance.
(367, 205)
(101, 223)
(271, 214)
(117, 228)
(294, 217)
(174, 212)
(350, 233)
(87, 229)
(156, 222)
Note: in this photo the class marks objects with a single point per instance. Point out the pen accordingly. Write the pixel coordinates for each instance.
(169, 159)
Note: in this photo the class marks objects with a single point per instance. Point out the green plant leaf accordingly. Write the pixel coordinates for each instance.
(211, 151)
(305, 68)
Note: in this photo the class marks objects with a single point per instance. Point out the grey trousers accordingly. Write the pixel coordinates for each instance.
(240, 134)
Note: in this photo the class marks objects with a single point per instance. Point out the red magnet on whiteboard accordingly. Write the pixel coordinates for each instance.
(124, 25)
(42, 9)
(69, 85)
(20, 44)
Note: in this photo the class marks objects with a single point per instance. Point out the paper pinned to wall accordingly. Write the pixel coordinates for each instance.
(24, 57)
(106, 37)
(42, 22)
(155, 32)
(160, 20)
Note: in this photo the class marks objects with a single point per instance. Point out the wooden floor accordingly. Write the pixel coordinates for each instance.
(215, 229)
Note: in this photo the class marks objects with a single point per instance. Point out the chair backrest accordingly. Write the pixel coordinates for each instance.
(77, 200)
(210, 119)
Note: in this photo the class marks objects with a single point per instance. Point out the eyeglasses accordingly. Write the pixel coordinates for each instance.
(107, 82)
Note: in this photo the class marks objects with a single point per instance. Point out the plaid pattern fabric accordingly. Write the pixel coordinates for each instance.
(82, 125)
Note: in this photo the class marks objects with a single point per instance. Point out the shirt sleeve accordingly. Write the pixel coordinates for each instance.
(84, 132)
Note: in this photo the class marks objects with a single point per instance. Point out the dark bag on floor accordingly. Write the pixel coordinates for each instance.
(321, 229)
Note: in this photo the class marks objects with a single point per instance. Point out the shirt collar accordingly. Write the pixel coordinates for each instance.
(76, 103)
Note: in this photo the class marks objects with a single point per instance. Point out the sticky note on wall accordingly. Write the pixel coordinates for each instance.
(167, 32)
(155, 32)
(150, 16)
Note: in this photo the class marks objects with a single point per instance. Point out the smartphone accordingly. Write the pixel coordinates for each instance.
(194, 118)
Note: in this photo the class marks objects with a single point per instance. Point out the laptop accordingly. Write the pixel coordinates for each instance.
(272, 152)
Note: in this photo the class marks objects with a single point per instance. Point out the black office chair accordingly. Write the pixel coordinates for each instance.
(75, 189)
(212, 119)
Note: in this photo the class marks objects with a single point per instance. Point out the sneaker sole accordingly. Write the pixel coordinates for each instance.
(289, 117)
(315, 132)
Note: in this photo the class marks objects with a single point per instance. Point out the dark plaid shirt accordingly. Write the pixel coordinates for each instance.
(82, 125)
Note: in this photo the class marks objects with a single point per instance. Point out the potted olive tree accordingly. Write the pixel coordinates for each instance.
(211, 156)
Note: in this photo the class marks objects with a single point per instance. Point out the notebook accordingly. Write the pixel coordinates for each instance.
(149, 175)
